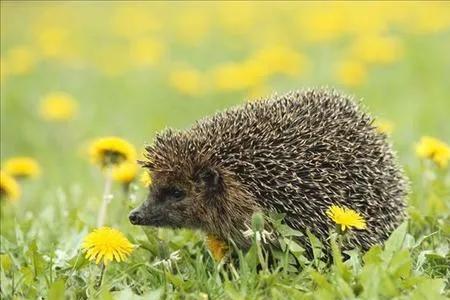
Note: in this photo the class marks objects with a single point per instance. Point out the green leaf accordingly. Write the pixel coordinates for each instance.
(6, 262)
(316, 246)
(354, 262)
(78, 261)
(175, 280)
(293, 246)
(370, 279)
(344, 289)
(400, 265)
(231, 292)
(56, 290)
(429, 289)
(37, 261)
(321, 281)
(373, 256)
(389, 286)
(395, 242)
(28, 275)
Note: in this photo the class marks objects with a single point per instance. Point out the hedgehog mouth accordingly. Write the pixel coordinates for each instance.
(155, 221)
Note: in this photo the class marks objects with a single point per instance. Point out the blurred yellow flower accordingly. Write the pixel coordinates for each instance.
(125, 172)
(434, 149)
(238, 76)
(367, 20)
(19, 60)
(146, 51)
(258, 92)
(351, 73)
(281, 59)
(58, 106)
(321, 24)
(346, 217)
(52, 40)
(22, 167)
(255, 70)
(226, 76)
(423, 23)
(112, 60)
(192, 25)
(187, 81)
(9, 188)
(217, 247)
(237, 18)
(377, 49)
(132, 22)
(384, 126)
(110, 151)
(3, 69)
(106, 244)
(146, 179)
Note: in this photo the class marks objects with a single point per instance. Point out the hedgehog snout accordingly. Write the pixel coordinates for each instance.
(135, 217)
(147, 214)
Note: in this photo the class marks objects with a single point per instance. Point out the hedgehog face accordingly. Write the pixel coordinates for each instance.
(176, 201)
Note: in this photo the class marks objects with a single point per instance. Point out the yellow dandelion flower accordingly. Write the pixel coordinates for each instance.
(351, 73)
(109, 151)
(187, 81)
(434, 149)
(125, 172)
(58, 106)
(346, 217)
(146, 179)
(106, 244)
(217, 247)
(9, 188)
(22, 167)
(384, 126)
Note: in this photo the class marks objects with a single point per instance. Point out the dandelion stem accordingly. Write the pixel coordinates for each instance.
(100, 280)
(106, 199)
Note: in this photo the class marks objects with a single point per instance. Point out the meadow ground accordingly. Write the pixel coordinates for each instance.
(74, 72)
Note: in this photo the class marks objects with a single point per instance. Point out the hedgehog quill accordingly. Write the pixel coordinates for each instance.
(296, 154)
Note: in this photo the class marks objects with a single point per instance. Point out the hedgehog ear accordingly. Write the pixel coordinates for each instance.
(210, 178)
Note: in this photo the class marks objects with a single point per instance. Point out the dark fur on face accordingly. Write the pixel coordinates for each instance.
(188, 191)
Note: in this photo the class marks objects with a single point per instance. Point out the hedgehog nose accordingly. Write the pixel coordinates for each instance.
(135, 217)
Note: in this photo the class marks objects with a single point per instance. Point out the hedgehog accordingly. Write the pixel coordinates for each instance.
(296, 154)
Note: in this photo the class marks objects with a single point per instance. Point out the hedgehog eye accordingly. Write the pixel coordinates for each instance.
(177, 194)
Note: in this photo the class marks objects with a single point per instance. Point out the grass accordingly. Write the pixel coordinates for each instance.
(41, 233)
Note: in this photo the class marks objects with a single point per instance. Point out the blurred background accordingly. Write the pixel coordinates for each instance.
(75, 71)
